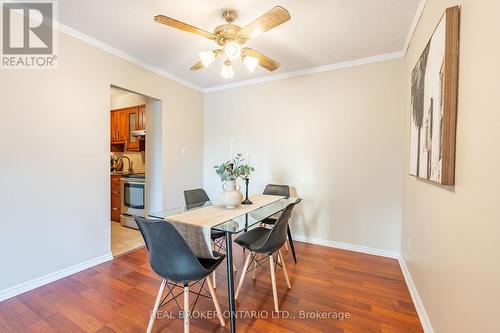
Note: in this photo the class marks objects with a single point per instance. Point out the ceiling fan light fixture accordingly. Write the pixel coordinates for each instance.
(232, 50)
(206, 58)
(250, 62)
(231, 38)
(227, 70)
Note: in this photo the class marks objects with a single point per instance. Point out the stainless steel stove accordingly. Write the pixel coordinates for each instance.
(133, 195)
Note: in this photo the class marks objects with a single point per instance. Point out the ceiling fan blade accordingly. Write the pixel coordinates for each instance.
(269, 20)
(264, 61)
(183, 26)
(197, 66)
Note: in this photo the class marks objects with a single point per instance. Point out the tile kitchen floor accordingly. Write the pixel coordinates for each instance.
(124, 239)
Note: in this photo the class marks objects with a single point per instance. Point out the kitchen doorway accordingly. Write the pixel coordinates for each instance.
(135, 161)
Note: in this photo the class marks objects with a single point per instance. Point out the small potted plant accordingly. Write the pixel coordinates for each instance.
(228, 173)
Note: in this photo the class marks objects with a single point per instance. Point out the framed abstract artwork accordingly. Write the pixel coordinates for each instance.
(434, 90)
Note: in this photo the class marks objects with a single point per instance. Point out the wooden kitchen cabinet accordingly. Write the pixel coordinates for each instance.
(142, 117)
(118, 127)
(113, 124)
(124, 122)
(116, 201)
(132, 123)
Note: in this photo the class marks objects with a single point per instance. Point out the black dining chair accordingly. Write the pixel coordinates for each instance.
(267, 242)
(283, 190)
(194, 199)
(173, 260)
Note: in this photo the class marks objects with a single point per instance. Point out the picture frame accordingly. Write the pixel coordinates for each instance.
(434, 95)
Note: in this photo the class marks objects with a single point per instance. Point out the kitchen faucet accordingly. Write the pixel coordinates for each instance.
(129, 162)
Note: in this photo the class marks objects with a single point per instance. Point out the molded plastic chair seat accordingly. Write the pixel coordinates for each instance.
(215, 234)
(267, 242)
(173, 260)
(210, 264)
(253, 239)
(197, 198)
(283, 190)
(269, 220)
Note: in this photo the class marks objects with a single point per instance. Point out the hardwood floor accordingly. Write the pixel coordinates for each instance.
(117, 297)
(124, 239)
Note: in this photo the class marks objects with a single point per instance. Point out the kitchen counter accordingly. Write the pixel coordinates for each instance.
(125, 173)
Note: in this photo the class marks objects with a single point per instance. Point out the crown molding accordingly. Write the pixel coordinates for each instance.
(108, 48)
(335, 66)
(301, 72)
(307, 71)
(413, 26)
(324, 68)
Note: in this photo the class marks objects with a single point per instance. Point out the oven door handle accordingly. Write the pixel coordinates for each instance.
(134, 183)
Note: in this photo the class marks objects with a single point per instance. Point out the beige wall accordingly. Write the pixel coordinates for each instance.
(455, 231)
(54, 173)
(334, 136)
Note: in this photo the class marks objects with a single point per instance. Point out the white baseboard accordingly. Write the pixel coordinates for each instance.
(419, 306)
(51, 277)
(422, 314)
(347, 246)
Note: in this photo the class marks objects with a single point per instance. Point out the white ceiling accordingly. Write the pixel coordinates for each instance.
(320, 32)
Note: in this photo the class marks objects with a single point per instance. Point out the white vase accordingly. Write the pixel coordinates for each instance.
(231, 195)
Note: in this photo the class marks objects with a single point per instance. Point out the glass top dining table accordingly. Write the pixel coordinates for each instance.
(241, 220)
(234, 225)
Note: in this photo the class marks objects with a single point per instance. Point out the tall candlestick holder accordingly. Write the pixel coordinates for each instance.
(246, 201)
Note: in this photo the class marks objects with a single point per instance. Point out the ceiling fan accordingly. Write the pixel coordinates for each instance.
(231, 38)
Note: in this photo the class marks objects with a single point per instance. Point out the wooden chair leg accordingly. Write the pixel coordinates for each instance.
(255, 265)
(215, 282)
(216, 302)
(234, 267)
(284, 270)
(273, 281)
(186, 308)
(243, 273)
(155, 308)
(286, 247)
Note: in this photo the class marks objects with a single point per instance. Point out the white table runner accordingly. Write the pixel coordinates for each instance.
(195, 225)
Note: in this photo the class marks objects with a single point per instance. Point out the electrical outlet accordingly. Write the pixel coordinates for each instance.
(409, 244)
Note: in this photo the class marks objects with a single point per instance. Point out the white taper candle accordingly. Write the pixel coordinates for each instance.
(232, 149)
